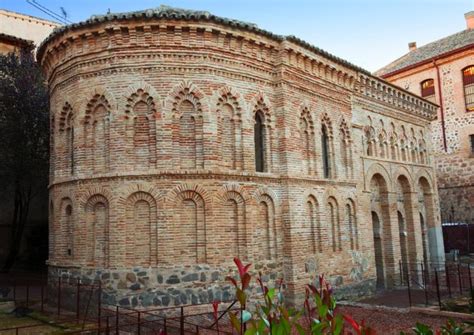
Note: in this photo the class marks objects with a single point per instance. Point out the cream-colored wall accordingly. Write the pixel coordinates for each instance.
(24, 26)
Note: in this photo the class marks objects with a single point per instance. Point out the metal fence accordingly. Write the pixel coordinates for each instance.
(76, 305)
(434, 283)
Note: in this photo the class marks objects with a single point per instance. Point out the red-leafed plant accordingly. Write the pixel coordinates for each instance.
(271, 316)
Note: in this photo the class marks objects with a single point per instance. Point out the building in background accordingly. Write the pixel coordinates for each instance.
(19, 30)
(443, 72)
(9, 43)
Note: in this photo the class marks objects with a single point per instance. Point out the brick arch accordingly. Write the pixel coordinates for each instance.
(140, 128)
(229, 129)
(64, 228)
(187, 113)
(231, 232)
(182, 191)
(403, 171)
(334, 218)
(141, 230)
(424, 173)
(140, 90)
(377, 168)
(326, 121)
(154, 191)
(268, 231)
(313, 223)
(327, 147)
(350, 218)
(265, 191)
(188, 229)
(223, 194)
(66, 117)
(86, 101)
(140, 96)
(308, 144)
(67, 135)
(263, 135)
(93, 103)
(346, 149)
(262, 104)
(93, 191)
(406, 216)
(185, 91)
(96, 132)
(95, 231)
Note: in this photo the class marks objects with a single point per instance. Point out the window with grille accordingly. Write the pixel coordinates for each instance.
(428, 89)
(468, 82)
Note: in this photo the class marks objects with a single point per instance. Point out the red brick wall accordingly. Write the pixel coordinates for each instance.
(158, 120)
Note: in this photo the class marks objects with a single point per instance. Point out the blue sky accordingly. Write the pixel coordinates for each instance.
(368, 33)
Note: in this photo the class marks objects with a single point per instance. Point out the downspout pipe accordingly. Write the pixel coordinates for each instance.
(443, 126)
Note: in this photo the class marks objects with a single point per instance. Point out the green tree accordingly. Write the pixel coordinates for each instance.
(24, 141)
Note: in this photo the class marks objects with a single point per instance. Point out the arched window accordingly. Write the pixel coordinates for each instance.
(428, 90)
(468, 82)
(259, 136)
(325, 153)
(66, 126)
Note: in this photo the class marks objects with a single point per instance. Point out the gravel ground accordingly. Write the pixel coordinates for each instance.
(392, 321)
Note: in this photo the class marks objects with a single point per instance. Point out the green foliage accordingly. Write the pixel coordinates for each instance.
(24, 142)
(451, 328)
(318, 316)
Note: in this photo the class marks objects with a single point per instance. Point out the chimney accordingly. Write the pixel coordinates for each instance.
(469, 16)
(412, 46)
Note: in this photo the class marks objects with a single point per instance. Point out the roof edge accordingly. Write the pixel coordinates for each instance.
(426, 61)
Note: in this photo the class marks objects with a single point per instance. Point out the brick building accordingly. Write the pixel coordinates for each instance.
(180, 140)
(443, 72)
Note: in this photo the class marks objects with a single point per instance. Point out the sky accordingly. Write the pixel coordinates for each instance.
(368, 33)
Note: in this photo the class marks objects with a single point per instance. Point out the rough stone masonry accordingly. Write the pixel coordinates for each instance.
(180, 140)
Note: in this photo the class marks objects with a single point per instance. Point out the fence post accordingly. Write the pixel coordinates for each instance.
(459, 278)
(409, 289)
(42, 297)
(437, 288)
(27, 294)
(138, 323)
(470, 279)
(423, 276)
(99, 304)
(181, 321)
(401, 272)
(59, 296)
(117, 320)
(448, 281)
(78, 301)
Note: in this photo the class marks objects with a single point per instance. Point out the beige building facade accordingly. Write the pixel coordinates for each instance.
(25, 27)
(180, 140)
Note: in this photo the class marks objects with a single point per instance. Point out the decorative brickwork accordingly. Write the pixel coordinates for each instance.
(450, 132)
(180, 143)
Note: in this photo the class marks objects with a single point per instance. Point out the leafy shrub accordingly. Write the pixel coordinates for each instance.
(318, 316)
